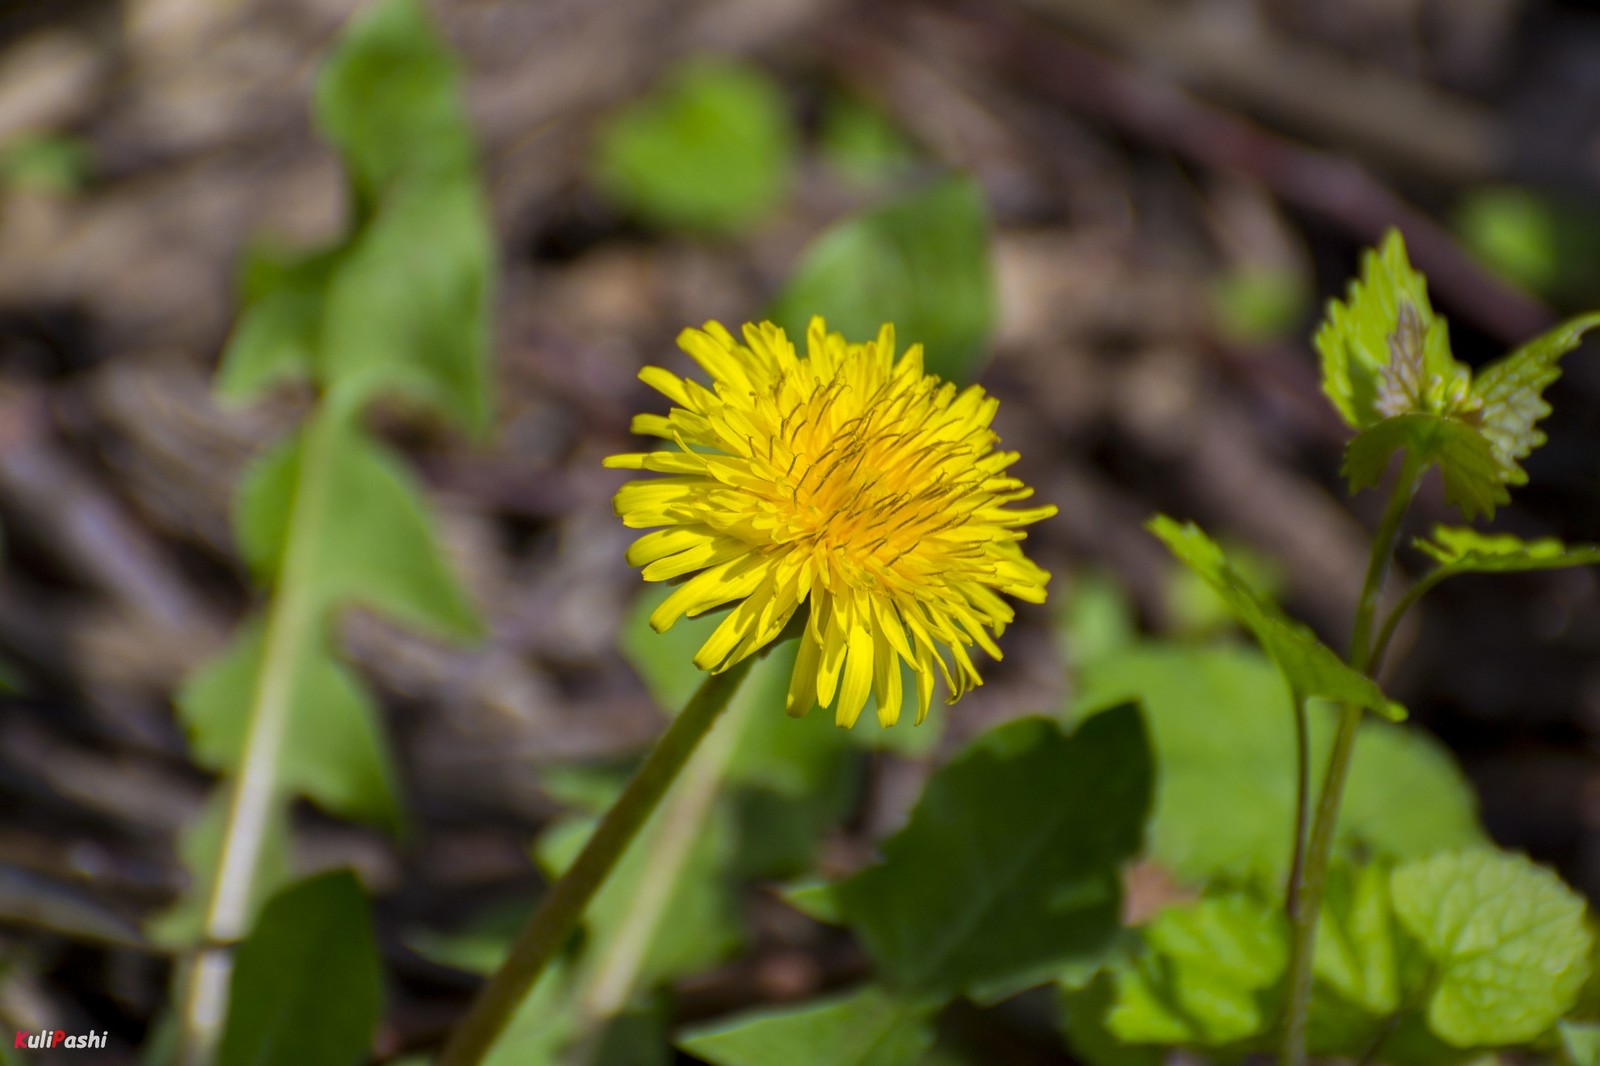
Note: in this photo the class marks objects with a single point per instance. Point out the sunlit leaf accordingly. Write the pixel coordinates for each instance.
(921, 263)
(1506, 938)
(869, 1027)
(1465, 458)
(1007, 874)
(1461, 551)
(1310, 667)
(1512, 393)
(307, 983)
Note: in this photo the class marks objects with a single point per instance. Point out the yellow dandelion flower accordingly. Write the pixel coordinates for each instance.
(848, 480)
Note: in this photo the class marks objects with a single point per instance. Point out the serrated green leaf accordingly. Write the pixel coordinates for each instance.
(377, 547)
(712, 150)
(1506, 938)
(333, 750)
(307, 983)
(1466, 460)
(1209, 976)
(1310, 667)
(1511, 391)
(921, 263)
(1357, 958)
(279, 330)
(1460, 551)
(199, 848)
(388, 97)
(408, 307)
(1223, 732)
(1384, 352)
(869, 1027)
(701, 927)
(1007, 872)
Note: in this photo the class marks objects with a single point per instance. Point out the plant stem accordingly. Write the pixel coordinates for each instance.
(1380, 647)
(1302, 803)
(558, 913)
(291, 621)
(1303, 917)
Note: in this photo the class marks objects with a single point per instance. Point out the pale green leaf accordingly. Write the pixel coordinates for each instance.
(407, 310)
(1310, 667)
(1466, 460)
(1223, 732)
(869, 1027)
(279, 330)
(389, 99)
(1507, 941)
(1007, 873)
(921, 263)
(1357, 957)
(307, 984)
(333, 749)
(1208, 976)
(1384, 352)
(1512, 393)
(1581, 1042)
(200, 848)
(711, 150)
(376, 545)
(1461, 551)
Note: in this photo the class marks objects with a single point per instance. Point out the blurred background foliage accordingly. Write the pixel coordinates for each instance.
(1121, 218)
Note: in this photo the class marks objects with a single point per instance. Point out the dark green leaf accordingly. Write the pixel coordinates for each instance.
(712, 150)
(1310, 667)
(1007, 874)
(1223, 732)
(333, 751)
(408, 308)
(1464, 456)
(1507, 940)
(1512, 393)
(389, 98)
(921, 263)
(377, 546)
(307, 983)
(870, 1027)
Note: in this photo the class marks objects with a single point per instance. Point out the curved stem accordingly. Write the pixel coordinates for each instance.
(1413, 594)
(558, 913)
(291, 621)
(1320, 848)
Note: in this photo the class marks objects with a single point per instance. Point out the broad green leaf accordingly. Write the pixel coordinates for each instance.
(333, 751)
(1506, 938)
(1209, 976)
(1466, 459)
(1512, 394)
(921, 263)
(1223, 732)
(388, 97)
(1091, 1041)
(1007, 873)
(869, 1027)
(377, 546)
(1310, 667)
(1461, 551)
(200, 848)
(307, 983)
(1358, 960)
(1384, 352)
(712, 150)
(1581, 1042)
(407, 309)
(701, 926)
(279, 330)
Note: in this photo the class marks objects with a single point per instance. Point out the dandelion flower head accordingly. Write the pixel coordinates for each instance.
(846, 480)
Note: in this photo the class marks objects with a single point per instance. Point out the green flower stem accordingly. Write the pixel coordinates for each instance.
(559, 911)
(1303, 916)
(291, 621)
(1381, 646)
